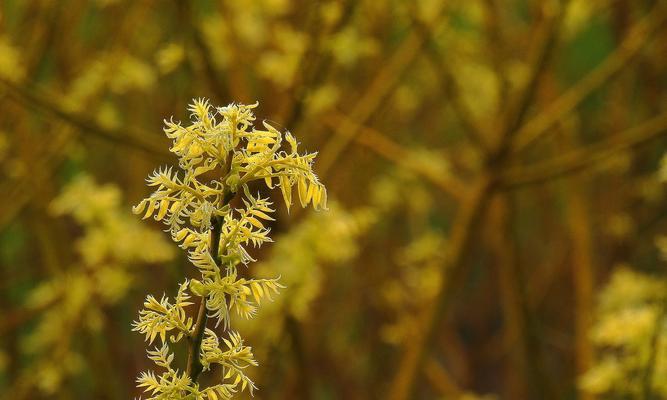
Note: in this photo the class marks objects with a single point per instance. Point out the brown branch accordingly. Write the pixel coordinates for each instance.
(194, 365)
(495, 45)
(584, 157)
(19, 316)
(453, 271)
(449, 85)
(20, 192)
(383, 146)
(538, 60)
(315, 63)
(442, 380)
(379, 89)
(626, 52)
(188, 22)
(513, 287)
(40, 102)
(583, 277)
(514, 321)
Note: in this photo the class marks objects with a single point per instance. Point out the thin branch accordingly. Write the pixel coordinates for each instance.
(495, 45)
(584, 157)
(126, 137)
(18, 317)
(383, 146)
(515, 279)
(380, 88)
(318, 66)
(453, 271)
(539, 58)
(194, 365)
(315, 62)
(511, 299)
(583, 277)
(626, 52)
(188, 22)
(449, 85)
(19, 192)
(442, 380)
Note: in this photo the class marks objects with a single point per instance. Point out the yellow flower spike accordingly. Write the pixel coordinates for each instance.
(222, 141)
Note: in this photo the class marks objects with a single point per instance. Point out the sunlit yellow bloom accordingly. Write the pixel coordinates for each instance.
(220, 153)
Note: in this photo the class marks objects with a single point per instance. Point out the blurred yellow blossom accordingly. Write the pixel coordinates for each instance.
(349, 46)
(322, 99)
(629, 335)
(131, 73)
(11, 64)
(71, 303)
(169, 57)
(281, 64)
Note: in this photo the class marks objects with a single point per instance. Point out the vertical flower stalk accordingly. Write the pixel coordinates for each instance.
(220, 153)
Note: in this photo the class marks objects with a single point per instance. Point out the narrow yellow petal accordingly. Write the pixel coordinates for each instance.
(303, 191)
(317, 196)
(151, 208)
(255, 222)
(257, 291)
(261, 215)
(139, 208)
(311, 190)
(164, 207)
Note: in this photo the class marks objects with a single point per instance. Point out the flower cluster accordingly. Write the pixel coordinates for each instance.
(630, 338)
(75, 301)
(220, 153)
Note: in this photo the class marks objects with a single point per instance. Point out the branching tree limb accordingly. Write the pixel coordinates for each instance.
(385, 147)
(584, 157)
(624, 54)
(126, 137)
(383, 84)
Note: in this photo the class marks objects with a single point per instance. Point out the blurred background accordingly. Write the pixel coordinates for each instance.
(494, 169)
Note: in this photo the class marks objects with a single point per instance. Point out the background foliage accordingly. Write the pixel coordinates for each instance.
(494, 169)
